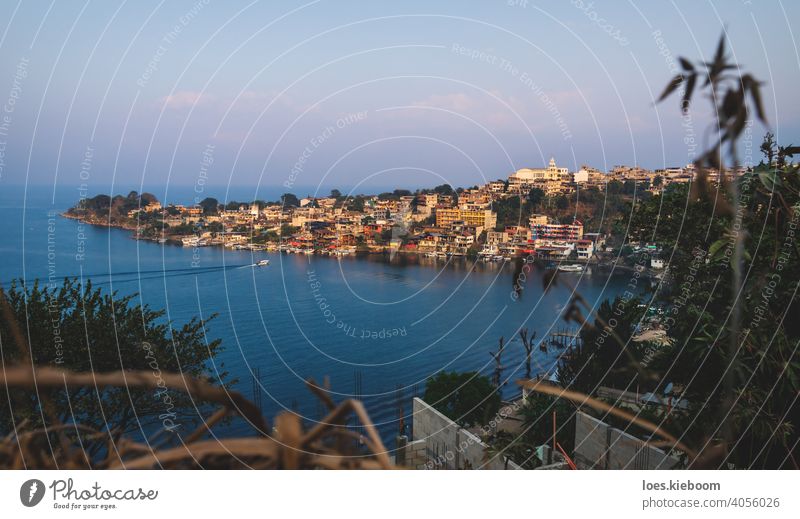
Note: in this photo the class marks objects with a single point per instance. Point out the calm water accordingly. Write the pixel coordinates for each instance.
(388, 325)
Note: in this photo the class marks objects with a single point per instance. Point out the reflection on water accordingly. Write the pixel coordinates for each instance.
(388, 321)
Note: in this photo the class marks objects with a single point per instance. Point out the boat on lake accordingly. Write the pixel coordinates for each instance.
(575, 267)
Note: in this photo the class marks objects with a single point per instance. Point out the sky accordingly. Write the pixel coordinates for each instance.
(355, 95)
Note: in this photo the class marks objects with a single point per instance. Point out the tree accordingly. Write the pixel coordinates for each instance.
(444, 189)
(768, 146)
(658, 181)
(600, 360)
(147, 199)
(537, 421)
(288, 230)
(384, 237)
(466, 398)
(81, 328)
(733, 342)
(629, 187)
(289, 200)
(335, 193)
(357, 204)
(210, 206)
(535, 196)
(614, 187)
(510, 211)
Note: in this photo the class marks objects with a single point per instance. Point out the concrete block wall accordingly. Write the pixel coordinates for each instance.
(600, 446)
(446, 444)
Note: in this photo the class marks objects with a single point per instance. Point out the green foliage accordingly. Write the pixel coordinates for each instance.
(182, 229)
(510, 211)
(761, 375)
(116, 209)
(466, 398)
(357, 204)
(210, 206)
(290, 200)
(601, 361)
(614, 187)
(288, 230)
(214, 227)
(444, 189)
(535, 197)
(84, 329)
(536, 429)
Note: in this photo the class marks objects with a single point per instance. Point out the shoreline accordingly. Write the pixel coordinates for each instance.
(611, 266)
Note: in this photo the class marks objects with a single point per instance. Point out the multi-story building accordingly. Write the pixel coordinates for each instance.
(152, 206)
(584, 249)
(518, 233)
(558, 232)
(427, 200)
(581, 176)
(497, 186)
(547, 178)
(485, 218)
(538, 219)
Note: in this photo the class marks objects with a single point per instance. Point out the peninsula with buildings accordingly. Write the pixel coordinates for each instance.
(549, 213)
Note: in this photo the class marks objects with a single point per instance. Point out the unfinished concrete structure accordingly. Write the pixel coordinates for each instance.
(438, 442)
(600, 446)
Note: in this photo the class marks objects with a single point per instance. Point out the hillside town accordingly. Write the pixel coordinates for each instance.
(482, 222)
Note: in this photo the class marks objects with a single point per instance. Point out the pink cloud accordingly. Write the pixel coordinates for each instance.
(185, 99)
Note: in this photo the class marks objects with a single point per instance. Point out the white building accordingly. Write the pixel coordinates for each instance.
(581, 176)
(528, 177)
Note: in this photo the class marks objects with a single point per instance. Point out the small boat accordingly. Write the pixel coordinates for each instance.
(262, 263)
(576, 267)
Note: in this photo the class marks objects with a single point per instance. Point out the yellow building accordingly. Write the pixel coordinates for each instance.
(538, 219)
(484, 218)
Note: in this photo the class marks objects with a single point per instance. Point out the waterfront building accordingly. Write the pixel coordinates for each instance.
(584, 249)
(485, 217)
(558, 232)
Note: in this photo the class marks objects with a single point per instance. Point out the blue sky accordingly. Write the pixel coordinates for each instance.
(365, 93)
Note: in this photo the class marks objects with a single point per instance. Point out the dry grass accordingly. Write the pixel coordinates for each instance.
(329, 444)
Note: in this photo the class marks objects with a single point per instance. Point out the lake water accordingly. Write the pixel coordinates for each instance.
(381, 325)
